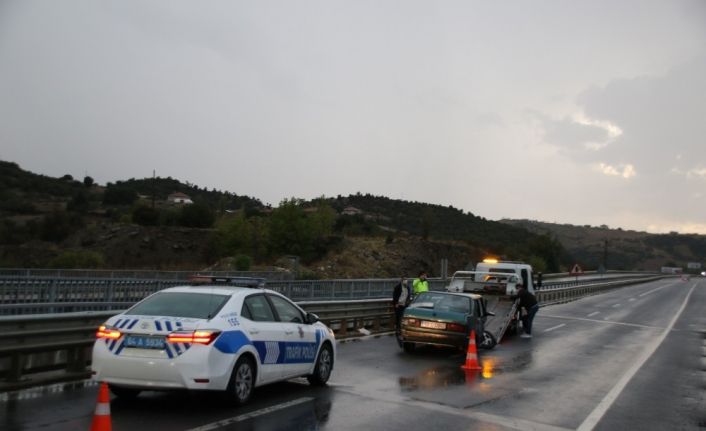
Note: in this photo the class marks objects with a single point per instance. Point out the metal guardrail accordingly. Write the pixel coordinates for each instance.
(36, 346)
(22, 294)
(49, 348)
(135, 274)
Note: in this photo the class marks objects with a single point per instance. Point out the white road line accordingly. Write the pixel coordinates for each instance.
(554, 327)
(631, 299)
(605, 320)
(504, 421)
(246, 416)
(654, 290)
(594, 313)
(616, 305)
(597, 414)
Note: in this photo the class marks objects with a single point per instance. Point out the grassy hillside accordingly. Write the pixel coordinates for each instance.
(47, 221)
(622, 249)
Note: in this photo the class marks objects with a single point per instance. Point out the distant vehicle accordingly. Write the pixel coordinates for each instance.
(445, 319)
(522, 270)
(222, 334)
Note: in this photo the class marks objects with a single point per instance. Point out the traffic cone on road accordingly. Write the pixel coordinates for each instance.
(471, 363)
(101, 418)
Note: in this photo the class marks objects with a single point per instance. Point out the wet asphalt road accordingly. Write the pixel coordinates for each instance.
(634, 358)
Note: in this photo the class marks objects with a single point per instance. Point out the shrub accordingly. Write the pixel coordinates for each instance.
(58, 226)
(77, 259)
(196, 215)
(145, 216)
(243, 262)
(117, 195)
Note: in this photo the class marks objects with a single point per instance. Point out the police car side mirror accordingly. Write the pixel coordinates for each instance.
(311, 318)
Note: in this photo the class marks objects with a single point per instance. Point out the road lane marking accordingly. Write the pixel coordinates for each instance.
(631, 299)
(504, 421)
(654, 290)
(597, 414)
(634, 325)
(594, 313)
(616, 305)
(253, 414)
(555, 327)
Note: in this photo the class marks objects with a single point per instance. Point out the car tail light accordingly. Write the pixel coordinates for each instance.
(108, 332)
(201, 336)
(455, 327)
(410, 322)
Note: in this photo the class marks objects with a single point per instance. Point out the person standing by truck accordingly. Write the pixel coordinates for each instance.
(400, 298)
(420, 284)
(529, 307)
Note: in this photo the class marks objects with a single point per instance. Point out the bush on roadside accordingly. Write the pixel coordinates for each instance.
(72, 259)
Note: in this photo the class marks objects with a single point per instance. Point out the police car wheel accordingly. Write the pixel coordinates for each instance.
(324, 365)
(124, 393)
(243, 380)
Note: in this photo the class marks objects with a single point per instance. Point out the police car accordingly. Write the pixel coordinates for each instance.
(227, 334)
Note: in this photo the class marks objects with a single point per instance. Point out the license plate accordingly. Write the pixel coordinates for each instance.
(141, 342)
(433, 325)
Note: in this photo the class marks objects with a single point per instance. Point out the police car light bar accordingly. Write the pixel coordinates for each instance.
(252, 282)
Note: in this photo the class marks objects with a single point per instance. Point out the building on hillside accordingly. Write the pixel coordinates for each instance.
(179, 198)
(351, 211)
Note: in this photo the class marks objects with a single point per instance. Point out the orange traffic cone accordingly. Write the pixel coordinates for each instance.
(101, 419)
(472, 354)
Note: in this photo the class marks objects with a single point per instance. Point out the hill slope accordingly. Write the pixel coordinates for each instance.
(622, 249)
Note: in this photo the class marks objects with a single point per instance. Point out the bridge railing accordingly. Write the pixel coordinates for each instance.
(33, 294)
(44, 348)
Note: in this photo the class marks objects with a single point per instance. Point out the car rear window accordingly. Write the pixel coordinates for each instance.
(180, 304)
(445, 302)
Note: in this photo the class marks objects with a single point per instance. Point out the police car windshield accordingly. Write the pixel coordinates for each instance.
(180, 304)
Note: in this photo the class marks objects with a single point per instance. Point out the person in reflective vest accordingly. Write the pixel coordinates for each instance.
(420, 284)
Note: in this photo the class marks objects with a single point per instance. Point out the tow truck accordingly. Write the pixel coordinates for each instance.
(497, 282)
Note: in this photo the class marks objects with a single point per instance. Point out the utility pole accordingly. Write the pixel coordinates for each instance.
(154, 185)
(605, 254)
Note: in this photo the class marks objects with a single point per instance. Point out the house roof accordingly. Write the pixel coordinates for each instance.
(179, 195)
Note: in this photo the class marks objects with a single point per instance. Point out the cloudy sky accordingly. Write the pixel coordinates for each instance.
(587, 112)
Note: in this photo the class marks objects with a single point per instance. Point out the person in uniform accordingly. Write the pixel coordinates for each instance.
(400, 298)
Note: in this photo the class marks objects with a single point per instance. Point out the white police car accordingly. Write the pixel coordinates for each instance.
(217, 335)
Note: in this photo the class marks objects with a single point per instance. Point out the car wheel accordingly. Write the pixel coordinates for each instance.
(408, 347)
(124, 393)
(323, 368)
(242, 381)
(487, 340)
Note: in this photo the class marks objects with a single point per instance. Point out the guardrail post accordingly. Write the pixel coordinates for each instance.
(110, 291)
(16, 365)
(52, 294)
(76, 359)
(343, 330)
